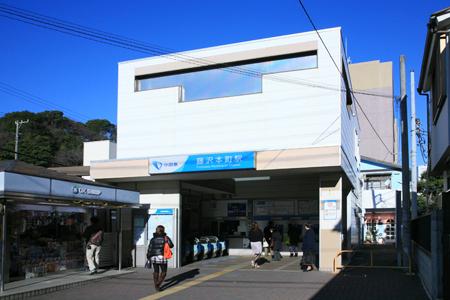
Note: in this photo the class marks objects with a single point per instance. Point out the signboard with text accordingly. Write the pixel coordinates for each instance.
(329, 209)
(202, 162)
(237, 210)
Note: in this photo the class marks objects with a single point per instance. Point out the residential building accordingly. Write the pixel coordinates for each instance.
(378, 136)
(432, 246)
(435, 82)
(381, 176)
(382, 185)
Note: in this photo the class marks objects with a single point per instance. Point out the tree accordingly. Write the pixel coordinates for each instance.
(50, 138)
(103, 129)
(428, 190)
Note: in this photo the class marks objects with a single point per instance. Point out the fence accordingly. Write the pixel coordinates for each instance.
(421, 232)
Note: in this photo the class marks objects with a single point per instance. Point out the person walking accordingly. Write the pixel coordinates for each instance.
(308, 248)
(93, 236)
(256, 237)
(276, 243)
(155, 254)
(268, 237)
(294, 239)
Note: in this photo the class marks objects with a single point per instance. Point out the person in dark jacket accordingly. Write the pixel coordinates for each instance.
(294, 238)
(308, 248)
(256, 239)
(93, 236)
(155, 254)
(276, 243)
(268, 237)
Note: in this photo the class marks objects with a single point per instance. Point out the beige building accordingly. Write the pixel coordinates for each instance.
(374, 86)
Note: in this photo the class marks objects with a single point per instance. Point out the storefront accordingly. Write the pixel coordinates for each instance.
(44, 214)
(380, 226)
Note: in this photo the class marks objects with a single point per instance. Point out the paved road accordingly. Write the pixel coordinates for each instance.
(232, 278)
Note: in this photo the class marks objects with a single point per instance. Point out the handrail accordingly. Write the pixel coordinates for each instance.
(409, 267)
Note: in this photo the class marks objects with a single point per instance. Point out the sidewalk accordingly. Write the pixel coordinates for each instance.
(232, 277)
(55, 282)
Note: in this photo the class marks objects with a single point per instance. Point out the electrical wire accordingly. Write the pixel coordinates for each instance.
(132, 44)
(119, 41)
(28, 97)
(343, 78)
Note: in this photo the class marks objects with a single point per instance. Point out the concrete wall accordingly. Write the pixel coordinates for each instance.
(375, 77)
(350, 156)
(373, 199)
(330, 236)
(423, 263)
(354, 219)
(284, 116)
(301, 188)
(98, 150)
(162, 194)
(440, 136)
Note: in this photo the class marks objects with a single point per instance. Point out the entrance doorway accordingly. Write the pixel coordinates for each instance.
(216, 222)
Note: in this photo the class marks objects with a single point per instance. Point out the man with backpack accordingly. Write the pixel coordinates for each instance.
(94, 238)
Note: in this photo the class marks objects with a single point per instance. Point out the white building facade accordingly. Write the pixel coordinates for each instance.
(221, 137)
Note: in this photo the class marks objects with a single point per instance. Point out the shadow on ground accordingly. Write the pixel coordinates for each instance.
(174, 280)
(372, 284)
(262, 260)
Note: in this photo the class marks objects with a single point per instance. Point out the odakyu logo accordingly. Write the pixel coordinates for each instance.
(157, 165)
(75, 190)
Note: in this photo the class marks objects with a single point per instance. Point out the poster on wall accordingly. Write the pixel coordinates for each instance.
(329, 209)
(274, 208)
(237, 210)
(262, 207)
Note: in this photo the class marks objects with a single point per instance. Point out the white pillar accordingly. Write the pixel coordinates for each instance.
(330, 237)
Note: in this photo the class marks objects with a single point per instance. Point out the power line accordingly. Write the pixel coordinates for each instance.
(343, 78)
(118, 41)
(28, 97)
(134, 45)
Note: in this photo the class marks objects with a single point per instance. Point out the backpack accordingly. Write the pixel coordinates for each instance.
(97, 238)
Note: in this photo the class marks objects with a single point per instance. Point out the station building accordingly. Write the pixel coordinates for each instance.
(217, 138)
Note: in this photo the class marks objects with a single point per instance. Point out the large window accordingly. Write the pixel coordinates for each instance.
(233, 79)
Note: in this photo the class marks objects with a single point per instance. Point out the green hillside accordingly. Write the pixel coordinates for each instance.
(51, 139)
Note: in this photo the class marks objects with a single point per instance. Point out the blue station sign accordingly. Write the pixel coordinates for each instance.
(202, 162)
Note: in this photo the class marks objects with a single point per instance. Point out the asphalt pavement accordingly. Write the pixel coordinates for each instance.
(233, 278)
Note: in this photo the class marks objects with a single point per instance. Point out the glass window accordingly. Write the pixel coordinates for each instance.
(377, 182)
(237, 79)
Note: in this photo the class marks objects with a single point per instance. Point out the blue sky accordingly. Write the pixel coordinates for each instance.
(81, 75)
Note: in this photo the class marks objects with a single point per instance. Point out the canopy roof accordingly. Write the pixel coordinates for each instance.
(28, 183)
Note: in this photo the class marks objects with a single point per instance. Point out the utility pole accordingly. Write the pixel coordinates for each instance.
(16, 148)
(413, 149)
(406, 207)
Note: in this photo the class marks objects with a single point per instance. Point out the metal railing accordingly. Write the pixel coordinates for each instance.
(409, 267)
